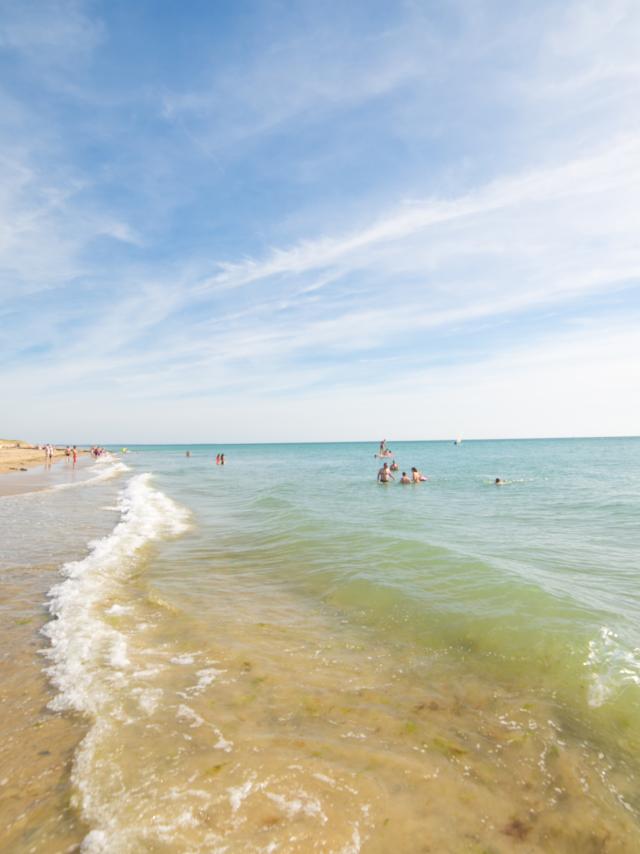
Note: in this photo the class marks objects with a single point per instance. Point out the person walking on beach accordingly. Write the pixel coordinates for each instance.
(75, 455)
(384, 474)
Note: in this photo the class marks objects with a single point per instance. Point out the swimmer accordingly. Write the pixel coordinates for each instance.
(500, 482)
(384, 474)
(405, 478)
(394, 466)
(416, 476)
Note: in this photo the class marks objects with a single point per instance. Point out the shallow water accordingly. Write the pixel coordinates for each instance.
(282, 655)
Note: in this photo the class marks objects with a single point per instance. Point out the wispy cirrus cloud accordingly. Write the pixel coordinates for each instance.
(49, 32)
(611, 175)
(315, 208)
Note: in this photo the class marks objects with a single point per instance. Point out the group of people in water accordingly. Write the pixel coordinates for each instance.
(219, 458)
(385, 474)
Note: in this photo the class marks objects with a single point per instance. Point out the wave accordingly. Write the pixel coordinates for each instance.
(107, 469)
(612, 666)
(79, 638)
(88, 656)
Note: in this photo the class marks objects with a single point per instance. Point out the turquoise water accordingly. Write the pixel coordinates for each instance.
(281, 654)
(543, 567)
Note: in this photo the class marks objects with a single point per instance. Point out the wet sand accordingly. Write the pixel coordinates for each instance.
(16, 456)
(37, 474)
(36, 744)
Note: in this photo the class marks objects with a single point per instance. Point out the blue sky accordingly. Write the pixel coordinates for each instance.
(305, 221)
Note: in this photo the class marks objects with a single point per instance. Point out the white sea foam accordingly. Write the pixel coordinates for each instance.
(353, 847)
(148, 698)
(81, 642)
(90, 658)
(182, 659)
(304, 803)
(222, 743)
(104, 469)
(118, 610)
(612, 666)
(186, 713)
(237, 794)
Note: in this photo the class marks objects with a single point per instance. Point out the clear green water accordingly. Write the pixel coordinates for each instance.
(282, 654)
(541, 573)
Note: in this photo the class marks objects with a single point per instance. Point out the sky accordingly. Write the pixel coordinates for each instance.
(319, 221)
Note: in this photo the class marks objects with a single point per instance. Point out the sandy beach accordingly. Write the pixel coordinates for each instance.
(16, 455)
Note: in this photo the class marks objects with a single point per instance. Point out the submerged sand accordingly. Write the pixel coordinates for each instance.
(203, 706)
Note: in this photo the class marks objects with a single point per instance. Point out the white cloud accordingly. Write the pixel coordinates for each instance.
(298, 78)
(574, 384)
(48, 30)
(46, 226)
(355, 298)
(611, 175)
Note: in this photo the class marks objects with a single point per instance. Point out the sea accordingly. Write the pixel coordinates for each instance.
(281, 654)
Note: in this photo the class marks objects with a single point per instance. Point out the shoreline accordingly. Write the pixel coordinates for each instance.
(24, 468)
(361, 701)
(17, 456)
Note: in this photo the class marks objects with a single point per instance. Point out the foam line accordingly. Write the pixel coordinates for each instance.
(83, 644)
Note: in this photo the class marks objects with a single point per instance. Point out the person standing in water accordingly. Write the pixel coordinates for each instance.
(405, 478)
(75, 455)
(221, 459)
(384, 474)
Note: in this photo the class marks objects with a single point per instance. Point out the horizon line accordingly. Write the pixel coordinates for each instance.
(366, 441)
